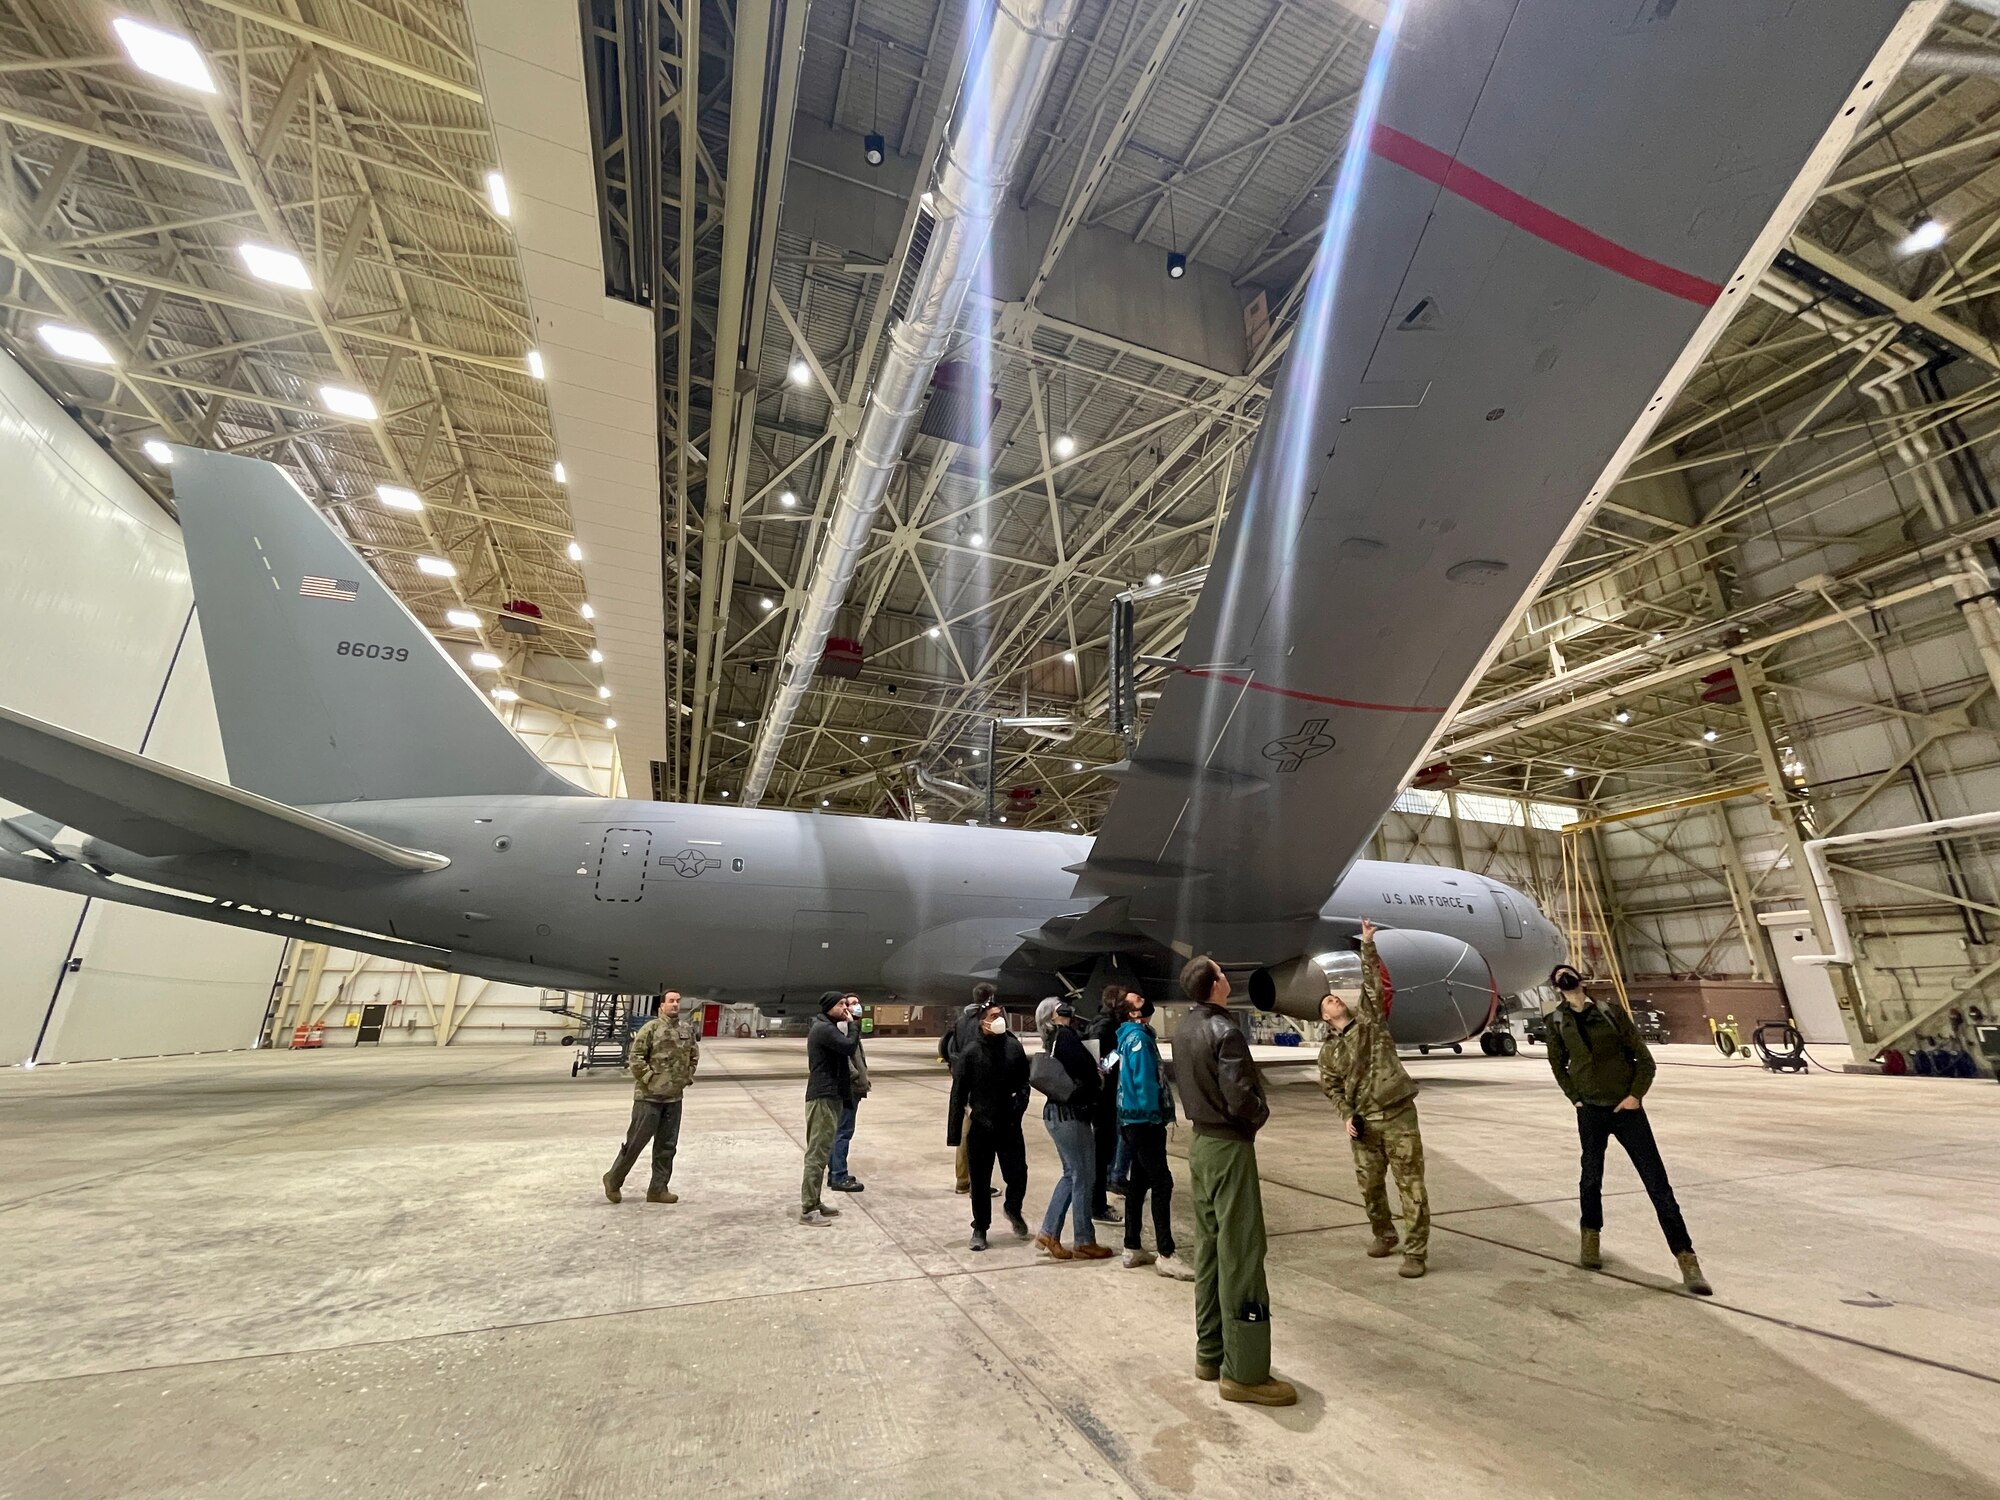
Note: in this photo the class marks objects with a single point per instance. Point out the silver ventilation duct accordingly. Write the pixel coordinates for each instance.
(995, 110)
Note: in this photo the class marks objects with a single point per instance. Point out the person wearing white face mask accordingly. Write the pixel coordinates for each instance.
(989, 1094)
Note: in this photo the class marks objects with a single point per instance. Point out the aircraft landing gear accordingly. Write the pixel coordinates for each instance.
(1498, 1043)
(1457, 1049)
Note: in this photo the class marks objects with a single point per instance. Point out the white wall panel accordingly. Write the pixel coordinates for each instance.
(94, 597)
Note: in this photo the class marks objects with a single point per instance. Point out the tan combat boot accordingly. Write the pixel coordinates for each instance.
(1691, 1276)
(611, 1189)
(1383, 1245)
(1272, 1392)
(662, 1196)
(1590, 1258)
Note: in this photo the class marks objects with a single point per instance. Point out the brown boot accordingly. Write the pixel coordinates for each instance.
(1092, 1251)
(662, 1196)
(1590, 1257)
(1411, 1268)
(611, 1190)
(1052, 1247)
(1383, 1245)
(1273, 1392)
(1207, 1372)
(1691, 1276)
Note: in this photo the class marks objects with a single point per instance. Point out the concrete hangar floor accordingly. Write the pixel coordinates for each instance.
(394, 1273)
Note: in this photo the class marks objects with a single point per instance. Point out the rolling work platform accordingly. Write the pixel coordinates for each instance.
(604, 1027)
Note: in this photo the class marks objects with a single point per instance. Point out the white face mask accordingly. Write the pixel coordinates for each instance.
(998, 1025)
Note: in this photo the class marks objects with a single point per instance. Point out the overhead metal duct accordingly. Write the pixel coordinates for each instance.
(995, 110)
(1958, 60)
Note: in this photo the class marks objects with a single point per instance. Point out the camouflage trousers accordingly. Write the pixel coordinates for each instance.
(1394, 1144)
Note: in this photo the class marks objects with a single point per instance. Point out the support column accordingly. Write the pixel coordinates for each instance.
(1788, 814)
(1756, 941)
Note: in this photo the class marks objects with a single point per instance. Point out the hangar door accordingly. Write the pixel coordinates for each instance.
(829, 948)
(621, 864)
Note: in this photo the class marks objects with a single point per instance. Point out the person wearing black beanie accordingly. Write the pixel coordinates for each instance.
(830, 1047)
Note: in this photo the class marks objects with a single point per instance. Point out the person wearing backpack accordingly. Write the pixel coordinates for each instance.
(1065, 1074)
(1145, 1105)
(663, 1060)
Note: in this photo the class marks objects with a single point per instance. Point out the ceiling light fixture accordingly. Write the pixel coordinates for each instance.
(343, 402)
(437, 567)
(978, 539)
(603, 691)
(1487, 758)
(739, 723)
(1710, 736)
(279, 267)
(505, 695)
(498, 197)
(1925, 236)
(610, 723)
(864, 739)
(722, 794)
(596, 657)
(933, 632)
(788, 500)
(164, 54)
(485, 661)
(874, 150)
(800, 373)
(1075, 825)
(397, 498)
(766, 605)
(575, 552)
(461, 619)
(157, 451)
(1154, 580)
(76, 344)
(1569, 770)
(535, 366)
(1064, 446)
(1070, 657)
(825, 802)
(1076, 765)
(561, 474)
(1623, 716)
(1176, 265)
(586, 611)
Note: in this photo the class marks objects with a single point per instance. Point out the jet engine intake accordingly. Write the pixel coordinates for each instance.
(1293, 988)
(1437, 989)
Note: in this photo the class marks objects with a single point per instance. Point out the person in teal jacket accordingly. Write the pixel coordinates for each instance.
(1145, 1110)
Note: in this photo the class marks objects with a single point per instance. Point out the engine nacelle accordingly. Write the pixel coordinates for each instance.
(1294, 989)
(1438, 989)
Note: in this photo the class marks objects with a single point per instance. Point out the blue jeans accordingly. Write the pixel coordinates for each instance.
(1076, 1144)
(843, 1137)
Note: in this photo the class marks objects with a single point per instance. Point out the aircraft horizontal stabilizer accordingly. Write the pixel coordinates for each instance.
(157, 811)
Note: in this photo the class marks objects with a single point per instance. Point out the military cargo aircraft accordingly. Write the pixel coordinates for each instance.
(1532, 242)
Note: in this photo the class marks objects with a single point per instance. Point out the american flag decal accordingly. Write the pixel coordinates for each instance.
(314, 587)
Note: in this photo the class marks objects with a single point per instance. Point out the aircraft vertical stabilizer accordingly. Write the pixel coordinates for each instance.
(327, 688)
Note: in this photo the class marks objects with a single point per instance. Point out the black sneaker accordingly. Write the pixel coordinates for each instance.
(979, 1239)
(846, 1185)
(1019, 1225)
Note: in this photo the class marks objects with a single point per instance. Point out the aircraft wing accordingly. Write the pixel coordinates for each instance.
(155, 810)
(1548, 210)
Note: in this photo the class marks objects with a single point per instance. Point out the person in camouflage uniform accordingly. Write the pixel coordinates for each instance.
(1360, 1072)
(664, 1057)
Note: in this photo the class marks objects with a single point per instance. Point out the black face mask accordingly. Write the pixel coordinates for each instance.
(1567, 981)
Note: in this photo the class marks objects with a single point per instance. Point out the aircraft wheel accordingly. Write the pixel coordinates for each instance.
(1505, 1045)
(573, 1062)
(1424, 1051)
(1486, 1042)
(1457, 1050)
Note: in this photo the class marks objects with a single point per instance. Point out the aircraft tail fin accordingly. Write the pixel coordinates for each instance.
(327, 688)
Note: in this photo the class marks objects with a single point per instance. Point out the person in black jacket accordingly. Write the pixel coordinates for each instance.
(1069, 1126)
(1104, 1120)
(989, 1094)
(963, 1033)
(829, 1089)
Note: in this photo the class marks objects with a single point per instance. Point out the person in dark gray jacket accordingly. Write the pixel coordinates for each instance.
(830, 1046)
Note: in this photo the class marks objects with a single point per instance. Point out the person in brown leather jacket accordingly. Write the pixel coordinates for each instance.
(1223, 1096)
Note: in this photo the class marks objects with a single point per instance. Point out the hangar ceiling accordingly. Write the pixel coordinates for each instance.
(355, 134)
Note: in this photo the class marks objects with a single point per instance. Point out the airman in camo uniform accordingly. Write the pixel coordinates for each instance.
(1360, 1072)
(663, 1060)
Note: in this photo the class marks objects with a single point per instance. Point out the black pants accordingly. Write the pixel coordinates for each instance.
(1104, 1128)
(658, 1121)
(987, 1142)
(1595, 1125)
(1149, 1174)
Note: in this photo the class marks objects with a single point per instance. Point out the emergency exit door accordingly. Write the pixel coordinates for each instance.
(621, 864)
(370, 1029)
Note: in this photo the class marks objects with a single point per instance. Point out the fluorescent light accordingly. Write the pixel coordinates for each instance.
(164, 54)
(485, 661)
(596, 657)
(586, 611)
(342, 402)
(800, 373)
(437, 567)
(978, 539)
(535, 366)
(463, 619)
(279, 267)
(575, 552)
(497, 196)
(505, 695)
(562, 474)
(765, 605)
(610, 723)
(788, 499)
(1064, 446)
(397, 498)
(603, 692)
(1926, 236)
(157, 451)
(66, 342)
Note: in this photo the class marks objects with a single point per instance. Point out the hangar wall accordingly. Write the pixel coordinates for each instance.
(97, 614)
